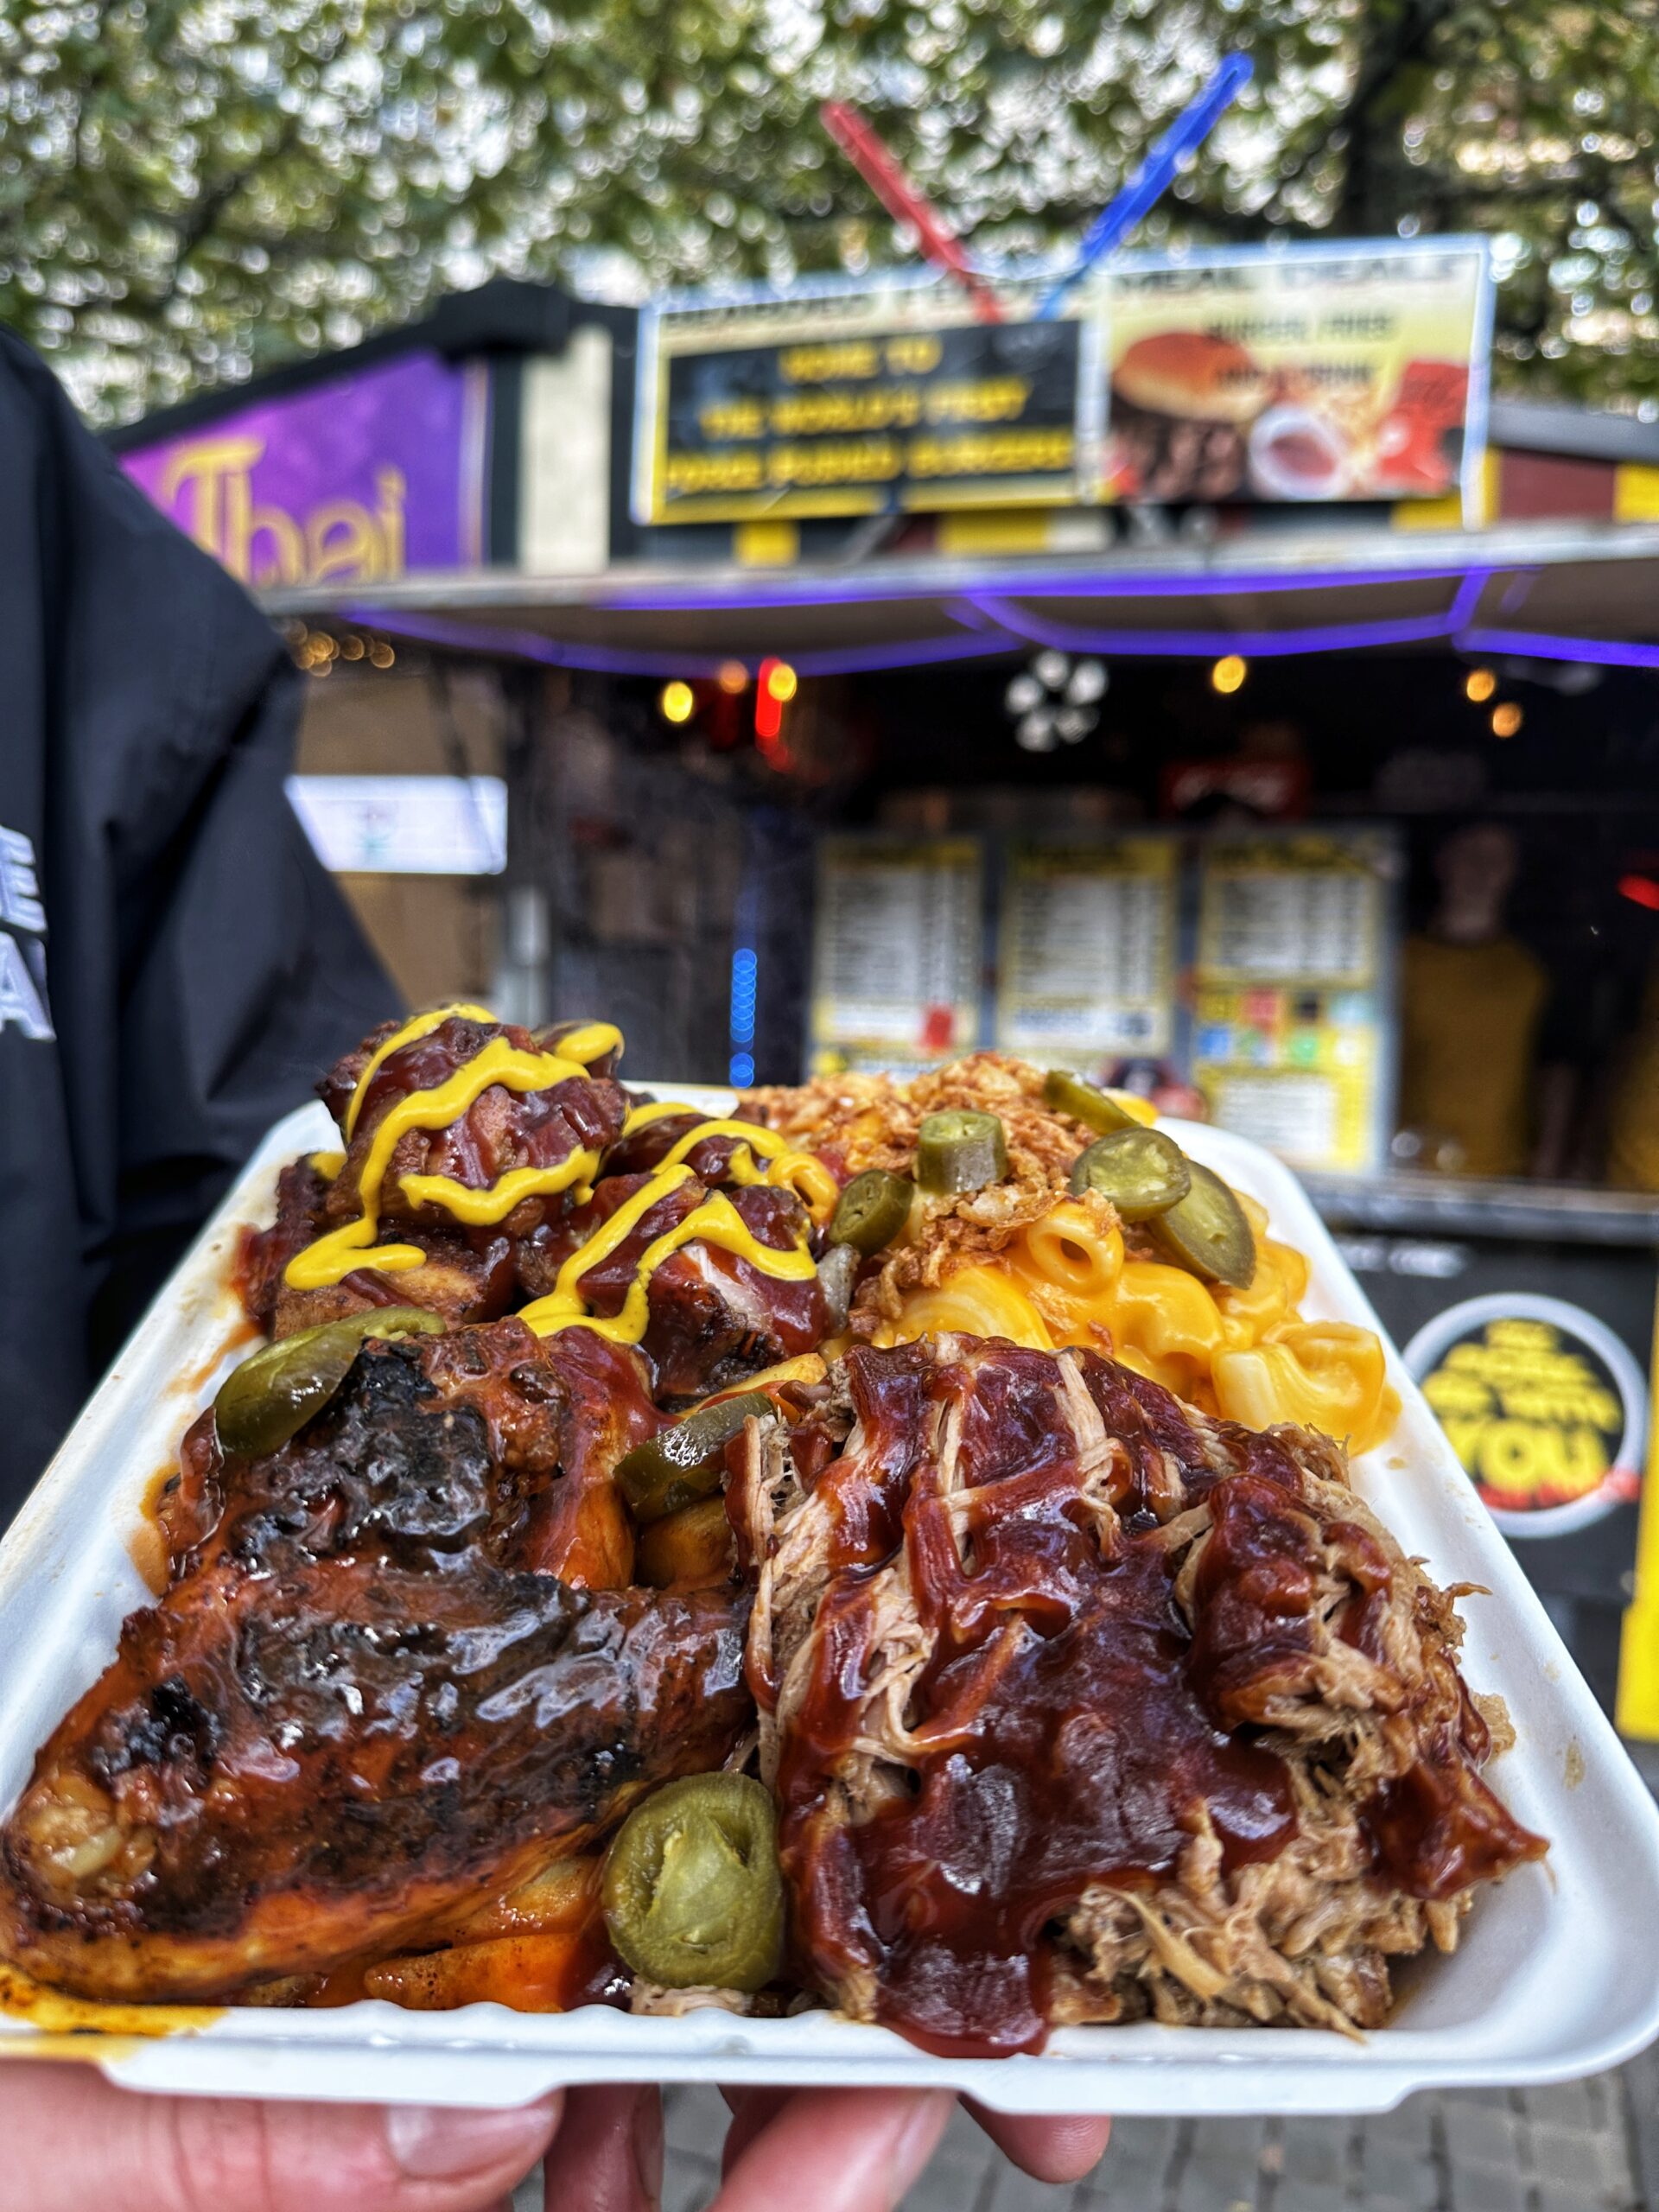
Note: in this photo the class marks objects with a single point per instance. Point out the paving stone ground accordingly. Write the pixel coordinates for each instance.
(1579, 2146)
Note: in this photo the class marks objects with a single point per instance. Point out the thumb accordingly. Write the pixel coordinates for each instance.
(73, 2140)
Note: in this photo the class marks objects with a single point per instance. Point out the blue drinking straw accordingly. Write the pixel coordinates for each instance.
(1152, 180)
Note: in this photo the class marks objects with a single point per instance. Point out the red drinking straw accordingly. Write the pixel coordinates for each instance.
(902, 201)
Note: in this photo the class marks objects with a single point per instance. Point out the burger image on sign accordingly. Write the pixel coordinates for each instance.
(1182, 404)
(1544, 1406)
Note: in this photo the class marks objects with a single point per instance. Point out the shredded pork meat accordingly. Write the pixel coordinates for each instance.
(1047, 1662)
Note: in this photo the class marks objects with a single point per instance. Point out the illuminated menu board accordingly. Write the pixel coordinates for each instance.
(1086, 966)
(853, 404)
(1292, 1034)
(897, 951)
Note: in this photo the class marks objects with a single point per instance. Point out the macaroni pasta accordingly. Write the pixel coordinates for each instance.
(1066, 1279)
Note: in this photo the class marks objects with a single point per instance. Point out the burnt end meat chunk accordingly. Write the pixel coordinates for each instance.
(1082, 1706)
(714, 1316)
(466, 1276)
(263, 1253)
(501, 1130)
(468, 1272)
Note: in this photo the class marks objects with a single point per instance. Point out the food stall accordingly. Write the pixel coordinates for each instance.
(1160, 689)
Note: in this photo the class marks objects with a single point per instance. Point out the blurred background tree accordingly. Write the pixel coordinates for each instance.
(191, 190)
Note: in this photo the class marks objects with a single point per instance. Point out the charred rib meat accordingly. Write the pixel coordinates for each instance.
(489, 1435)
(280, 1774)
(358, 1707)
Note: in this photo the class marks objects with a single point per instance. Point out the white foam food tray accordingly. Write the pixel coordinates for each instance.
(1557, 1976)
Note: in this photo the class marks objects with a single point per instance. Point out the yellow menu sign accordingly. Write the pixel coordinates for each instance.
(848, 406)
(896, 953)
(1087, 961)
(1291, 1034)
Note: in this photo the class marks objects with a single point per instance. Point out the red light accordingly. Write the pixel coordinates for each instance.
(1640, 890)
(769, 715)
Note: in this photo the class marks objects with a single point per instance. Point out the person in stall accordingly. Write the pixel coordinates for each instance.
(1474, 1099)
(174, 967)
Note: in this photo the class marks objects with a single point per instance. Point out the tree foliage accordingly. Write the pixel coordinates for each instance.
(191, 190)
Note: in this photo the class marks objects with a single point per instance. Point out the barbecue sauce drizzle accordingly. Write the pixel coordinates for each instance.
(1068, 1729)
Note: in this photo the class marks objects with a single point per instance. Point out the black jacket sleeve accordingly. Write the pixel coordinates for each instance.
(175, 966)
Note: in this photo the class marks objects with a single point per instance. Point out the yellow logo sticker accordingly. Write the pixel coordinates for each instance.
(1543, 1405)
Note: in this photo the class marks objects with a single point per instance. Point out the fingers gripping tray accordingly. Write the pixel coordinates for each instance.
(1557, 1974)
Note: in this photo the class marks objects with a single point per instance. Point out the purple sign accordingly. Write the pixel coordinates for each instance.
(355, 479)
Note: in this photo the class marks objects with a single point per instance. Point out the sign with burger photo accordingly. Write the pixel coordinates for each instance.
(1297, 374)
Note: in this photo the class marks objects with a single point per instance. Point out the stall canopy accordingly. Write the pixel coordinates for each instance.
(1547, 590)
(494, 478)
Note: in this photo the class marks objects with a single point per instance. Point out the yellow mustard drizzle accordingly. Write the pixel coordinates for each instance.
(333, 1256)
(787, 1169)
(480, 1209)
(716, 1221)
(655, 1109)
(421, 1025)
(327, 1164)
(760, 1156)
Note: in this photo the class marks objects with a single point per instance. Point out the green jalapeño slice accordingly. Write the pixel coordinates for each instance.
(1085, 1102)
(271, 1396)
(958, 1151)
(678, 1466)
(1142, 1171)
(1206, 1232)
(692, 1892)
(873, 1208)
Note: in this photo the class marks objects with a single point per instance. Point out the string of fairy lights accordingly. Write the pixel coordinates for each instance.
(1479, 686)
(1054, 701)
(320, 651)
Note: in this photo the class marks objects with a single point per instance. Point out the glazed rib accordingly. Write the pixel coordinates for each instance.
(371, 1696)
(279, 1775)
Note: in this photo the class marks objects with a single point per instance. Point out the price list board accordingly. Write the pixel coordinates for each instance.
(1086, 971)
(1293, 1035)
(897, 951)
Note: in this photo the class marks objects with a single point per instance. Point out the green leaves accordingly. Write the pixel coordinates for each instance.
(191, 190)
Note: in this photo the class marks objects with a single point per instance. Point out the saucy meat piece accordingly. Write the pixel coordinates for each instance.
(649, 1145)
(551, 1138)
(263, 1253)
(1078, 1704)
(281, 1773)
(714, 1316)
(466, 1276)
(488, 1436)
(502, 1130)
(372, 1692)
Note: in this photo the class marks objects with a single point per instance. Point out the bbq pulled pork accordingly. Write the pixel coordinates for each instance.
(1081, 1706)
(371, 1698)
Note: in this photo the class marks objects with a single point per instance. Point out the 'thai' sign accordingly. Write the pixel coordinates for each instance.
(353, 480)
